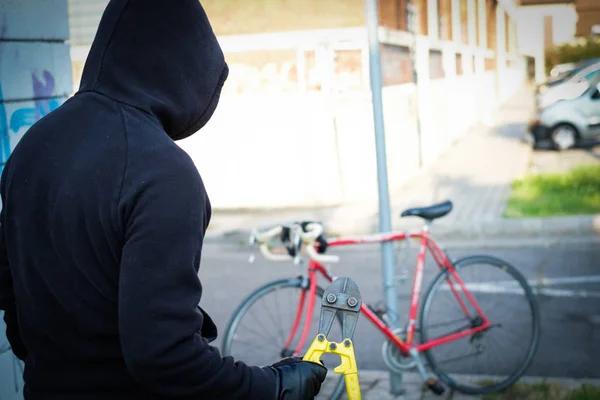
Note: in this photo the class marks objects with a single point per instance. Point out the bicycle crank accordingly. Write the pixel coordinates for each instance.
(341, 296)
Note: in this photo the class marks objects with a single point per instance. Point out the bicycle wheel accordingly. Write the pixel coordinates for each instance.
(506, 300)
(261, 325)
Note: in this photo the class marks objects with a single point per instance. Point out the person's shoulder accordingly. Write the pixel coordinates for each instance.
(150, 148)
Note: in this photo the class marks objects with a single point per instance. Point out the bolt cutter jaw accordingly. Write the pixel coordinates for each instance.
(341, 296)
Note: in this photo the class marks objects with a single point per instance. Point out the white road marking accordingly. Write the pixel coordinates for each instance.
(539, 287)
(568, 280)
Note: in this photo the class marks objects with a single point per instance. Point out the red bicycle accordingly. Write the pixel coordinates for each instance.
(450, 317)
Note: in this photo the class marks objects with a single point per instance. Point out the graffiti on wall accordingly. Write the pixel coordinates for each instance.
(13, 126)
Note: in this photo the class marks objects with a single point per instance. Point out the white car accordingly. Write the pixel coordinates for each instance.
(572, 88)
(568, 122)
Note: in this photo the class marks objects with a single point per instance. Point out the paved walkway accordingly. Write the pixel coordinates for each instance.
(475, 174)
(375, 386)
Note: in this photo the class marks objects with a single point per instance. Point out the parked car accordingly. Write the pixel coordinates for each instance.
(568, 122)
(570, 88)
(563, 76)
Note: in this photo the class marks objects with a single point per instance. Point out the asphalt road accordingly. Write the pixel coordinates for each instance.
(570, 307)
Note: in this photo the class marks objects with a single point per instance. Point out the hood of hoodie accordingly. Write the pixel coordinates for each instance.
(160, 56)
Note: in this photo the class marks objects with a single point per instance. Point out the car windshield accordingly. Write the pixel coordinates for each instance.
(592, 75)
(579, 68)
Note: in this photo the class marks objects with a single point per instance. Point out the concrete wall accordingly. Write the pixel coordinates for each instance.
(35, 78)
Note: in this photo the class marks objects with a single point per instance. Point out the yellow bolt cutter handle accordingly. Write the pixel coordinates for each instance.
(347, 367)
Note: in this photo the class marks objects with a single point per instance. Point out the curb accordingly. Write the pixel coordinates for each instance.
(412, 379)
(520, 228)
(551, 227)
(375, 384)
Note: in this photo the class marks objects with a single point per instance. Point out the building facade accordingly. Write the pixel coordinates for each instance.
(299, 90)
(588, 12)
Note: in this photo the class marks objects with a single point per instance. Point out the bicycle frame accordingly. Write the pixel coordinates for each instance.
(426, 243)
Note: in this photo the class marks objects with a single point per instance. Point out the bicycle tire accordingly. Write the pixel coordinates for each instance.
(535, 337)
(242, 309)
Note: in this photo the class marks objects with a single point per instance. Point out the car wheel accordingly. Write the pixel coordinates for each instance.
(564, 136)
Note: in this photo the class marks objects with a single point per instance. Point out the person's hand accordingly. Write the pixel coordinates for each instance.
(297, 379)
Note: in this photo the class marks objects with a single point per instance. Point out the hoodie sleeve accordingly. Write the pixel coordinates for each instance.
(7, 294)
(165, 211)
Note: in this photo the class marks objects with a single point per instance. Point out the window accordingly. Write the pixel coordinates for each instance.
(396, 65)
(436, 65)
(445, 19)
(464, 21)
(477, 38)
(348, 70)
(392, 14)
(506, 32)
(262, 71)
(491, 24)
(423, 17)
(592, 75)
(459, 64)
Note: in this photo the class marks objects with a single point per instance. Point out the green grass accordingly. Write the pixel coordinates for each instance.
(546, 195)
(546, 391)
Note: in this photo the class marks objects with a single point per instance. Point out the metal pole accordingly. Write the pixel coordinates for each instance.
(387, 248)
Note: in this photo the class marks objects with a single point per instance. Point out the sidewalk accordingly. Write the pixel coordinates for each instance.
(475, 174)
(375, 386)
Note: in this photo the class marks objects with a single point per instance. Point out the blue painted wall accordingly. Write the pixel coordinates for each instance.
(35, 78)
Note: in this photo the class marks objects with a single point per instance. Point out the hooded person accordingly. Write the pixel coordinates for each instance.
(103, 220)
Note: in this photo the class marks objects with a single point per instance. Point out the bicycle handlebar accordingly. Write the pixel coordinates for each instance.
(265, 236)
(308, 235)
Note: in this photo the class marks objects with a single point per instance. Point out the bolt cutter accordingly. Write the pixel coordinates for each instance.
(342, 296)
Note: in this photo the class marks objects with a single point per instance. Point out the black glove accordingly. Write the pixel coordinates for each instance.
(297, 379)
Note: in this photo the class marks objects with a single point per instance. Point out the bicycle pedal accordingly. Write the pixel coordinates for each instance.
(435, 386)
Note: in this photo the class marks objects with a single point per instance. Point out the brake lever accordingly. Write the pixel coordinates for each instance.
(297, 247)
(295, 240)
(252, 240)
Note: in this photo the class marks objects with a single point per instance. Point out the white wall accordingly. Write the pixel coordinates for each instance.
(531, 31)
(317, 149)
(564, 20)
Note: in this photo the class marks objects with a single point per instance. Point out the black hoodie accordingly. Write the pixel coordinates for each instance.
(103, 220)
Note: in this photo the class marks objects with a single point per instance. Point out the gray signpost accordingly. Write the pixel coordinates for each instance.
(387, 249)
